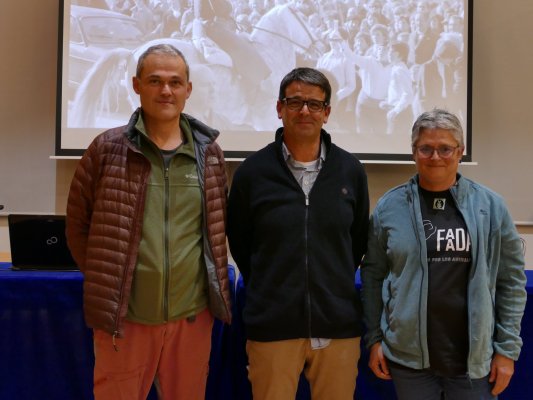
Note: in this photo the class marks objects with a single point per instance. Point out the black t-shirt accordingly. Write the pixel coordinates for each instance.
(449, 259)
(167, 155)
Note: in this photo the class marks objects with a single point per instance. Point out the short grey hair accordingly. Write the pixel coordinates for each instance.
(437, 119)
(162, 48)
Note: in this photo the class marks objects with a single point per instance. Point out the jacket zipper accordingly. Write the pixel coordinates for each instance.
(306, 256)
(115, 333)
(308, 292)
(166, 245)
(423, 260)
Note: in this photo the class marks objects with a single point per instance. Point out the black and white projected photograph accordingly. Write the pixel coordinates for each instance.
(386, 60)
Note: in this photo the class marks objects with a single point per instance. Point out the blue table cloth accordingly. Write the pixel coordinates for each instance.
(369, 387)
(45, 347)
(46, 351)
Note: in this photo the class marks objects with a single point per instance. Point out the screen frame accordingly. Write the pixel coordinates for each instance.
(238, 153)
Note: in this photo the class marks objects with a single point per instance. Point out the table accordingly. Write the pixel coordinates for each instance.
(45, 347)
(369, 387)
(46, 351)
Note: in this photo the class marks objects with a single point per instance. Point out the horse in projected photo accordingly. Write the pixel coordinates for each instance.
(106, 97)
(281, 36)
(223, 96)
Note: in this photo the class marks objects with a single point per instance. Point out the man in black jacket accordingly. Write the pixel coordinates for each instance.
(297, 229)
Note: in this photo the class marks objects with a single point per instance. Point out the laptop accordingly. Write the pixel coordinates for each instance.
(38, 242)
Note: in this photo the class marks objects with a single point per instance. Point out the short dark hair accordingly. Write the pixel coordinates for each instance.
(402, 49)
(306, 75)
(447, 49)
(162, 48)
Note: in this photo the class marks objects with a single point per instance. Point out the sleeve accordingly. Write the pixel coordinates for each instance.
(405, 86)
(365, 62)
(373, 273)
(510, 301)
(80, 206)
(239, 228)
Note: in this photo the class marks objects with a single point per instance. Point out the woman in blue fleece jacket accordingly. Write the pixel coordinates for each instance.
(443, 277)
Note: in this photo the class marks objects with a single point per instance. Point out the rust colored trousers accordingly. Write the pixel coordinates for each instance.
(174, 355)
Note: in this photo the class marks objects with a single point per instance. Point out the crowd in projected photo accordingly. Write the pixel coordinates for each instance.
(388, 60)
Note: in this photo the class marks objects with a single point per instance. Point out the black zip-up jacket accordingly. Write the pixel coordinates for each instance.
(298, 258)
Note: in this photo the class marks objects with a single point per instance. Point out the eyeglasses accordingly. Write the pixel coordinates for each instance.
(442, 151)
(296, 104)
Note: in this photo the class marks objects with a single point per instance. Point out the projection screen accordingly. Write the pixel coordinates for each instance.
(387, 61)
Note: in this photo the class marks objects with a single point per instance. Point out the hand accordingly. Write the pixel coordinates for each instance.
(384, 105)
(378, 362)
(501, 371)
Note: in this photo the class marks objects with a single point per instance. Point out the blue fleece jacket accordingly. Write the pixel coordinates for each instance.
(395, 277)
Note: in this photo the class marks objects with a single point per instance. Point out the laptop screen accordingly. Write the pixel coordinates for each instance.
(39, 242)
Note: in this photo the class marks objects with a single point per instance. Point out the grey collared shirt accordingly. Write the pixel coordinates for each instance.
(305, 173)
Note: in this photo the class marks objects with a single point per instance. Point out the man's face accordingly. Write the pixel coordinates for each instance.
(393, 55)
(378, 38)
(163, 87)
(420, 23)
(360, 46)
(455, 25)
(303, 124)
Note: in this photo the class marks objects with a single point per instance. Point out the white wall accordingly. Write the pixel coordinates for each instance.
(502, 90)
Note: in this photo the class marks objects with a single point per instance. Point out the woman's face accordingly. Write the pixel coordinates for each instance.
(437, 173)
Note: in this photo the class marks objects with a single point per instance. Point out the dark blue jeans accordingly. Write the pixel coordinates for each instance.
(415, 384)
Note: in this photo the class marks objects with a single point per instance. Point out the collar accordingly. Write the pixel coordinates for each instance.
(325, 139)
(287, 156)
(186, 146)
